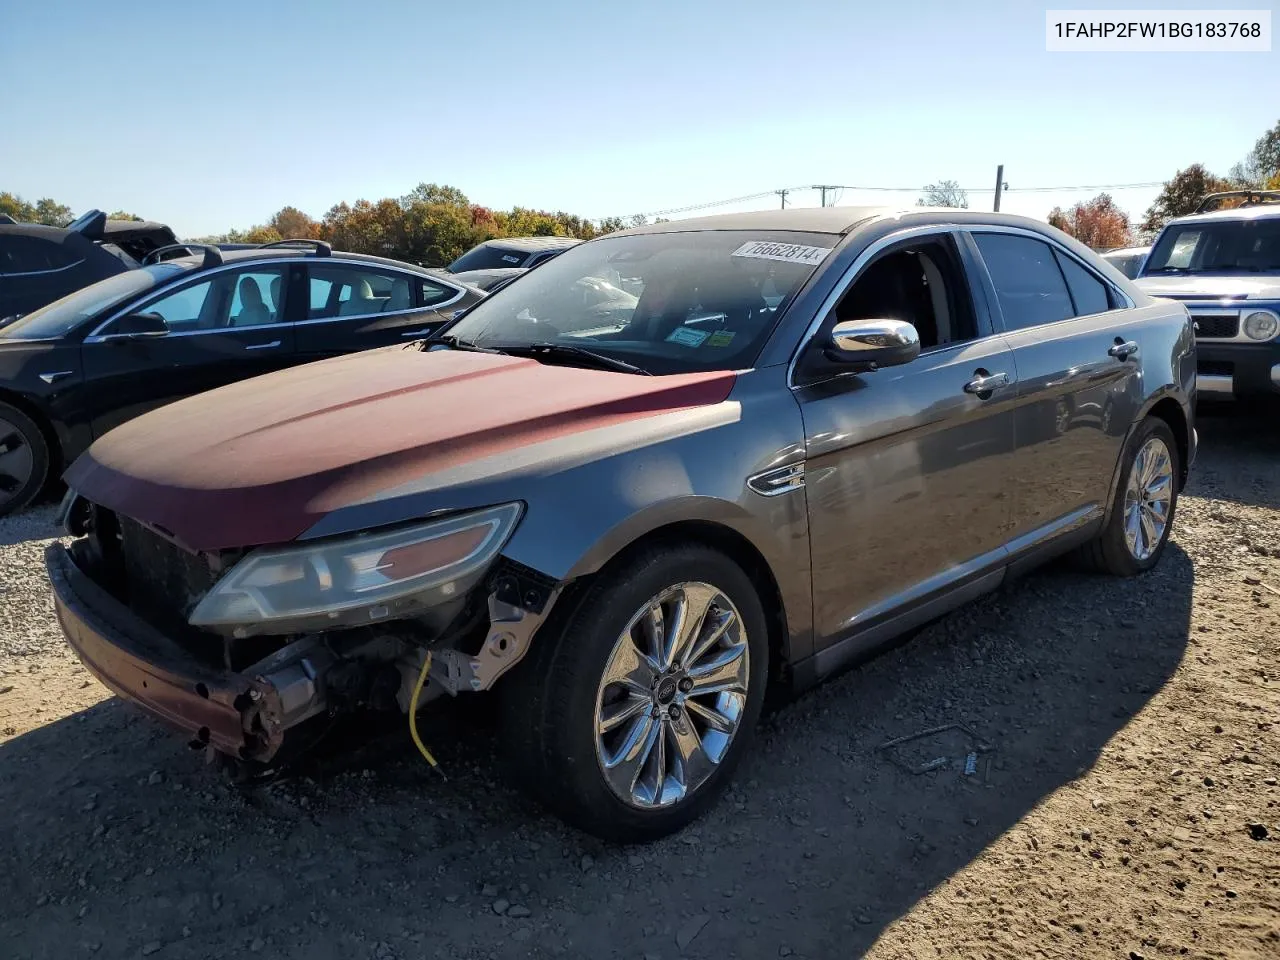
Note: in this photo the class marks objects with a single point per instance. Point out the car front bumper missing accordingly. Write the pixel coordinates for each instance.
(244, 715)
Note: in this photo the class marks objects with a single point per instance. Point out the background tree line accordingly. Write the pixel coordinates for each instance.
(47, 211)
(1101, 224)
(432, 224)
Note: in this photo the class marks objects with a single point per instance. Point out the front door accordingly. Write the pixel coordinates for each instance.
(357, 307)
(226, 327)
(1079, 363)
(908, 468)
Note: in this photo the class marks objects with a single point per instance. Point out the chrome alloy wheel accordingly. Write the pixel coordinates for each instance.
(16, 461)
(1147, 498)
(672, 696)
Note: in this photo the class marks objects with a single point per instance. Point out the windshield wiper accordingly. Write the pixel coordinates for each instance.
(569, 350)
(458, 343)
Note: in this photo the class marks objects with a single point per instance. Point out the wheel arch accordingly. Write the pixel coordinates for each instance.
(719, 536)
(1170, 411)
(48, 430)
(1165, 405)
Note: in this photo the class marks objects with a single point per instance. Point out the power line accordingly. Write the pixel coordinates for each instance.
(842, 187)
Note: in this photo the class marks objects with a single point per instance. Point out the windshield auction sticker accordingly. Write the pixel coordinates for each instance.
(786, 252)
(688, 336)
(1158, 31)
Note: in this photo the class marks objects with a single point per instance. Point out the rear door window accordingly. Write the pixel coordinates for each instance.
(344, 290)
(1029, 285)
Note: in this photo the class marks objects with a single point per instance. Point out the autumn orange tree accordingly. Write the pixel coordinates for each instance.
(1097, 223)
(432, 224)
(1182, 194)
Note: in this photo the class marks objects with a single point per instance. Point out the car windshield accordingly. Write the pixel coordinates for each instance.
(486, 257)
(664, 302)
(1217, 246)
(62, 316)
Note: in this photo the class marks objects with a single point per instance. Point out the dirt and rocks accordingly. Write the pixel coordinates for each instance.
(1127, 804)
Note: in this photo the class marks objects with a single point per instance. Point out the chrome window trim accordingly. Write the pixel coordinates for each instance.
(41, 273)
(1126, 301)
(847, 278)
(170, 286)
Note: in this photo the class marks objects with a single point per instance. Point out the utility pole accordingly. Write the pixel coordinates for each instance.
(1000, 185)
(824, 187)
(783, 195)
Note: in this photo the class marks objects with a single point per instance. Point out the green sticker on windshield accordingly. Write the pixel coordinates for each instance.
(721, 338)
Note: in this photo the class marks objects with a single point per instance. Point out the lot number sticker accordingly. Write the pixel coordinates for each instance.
(786, 252)
(687, 336)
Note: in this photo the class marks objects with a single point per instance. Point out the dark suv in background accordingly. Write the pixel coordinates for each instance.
(494, 262)
(40, 264)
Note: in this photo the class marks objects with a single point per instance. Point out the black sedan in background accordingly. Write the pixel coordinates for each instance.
(78, 367)
(511, 252)
(39, 264)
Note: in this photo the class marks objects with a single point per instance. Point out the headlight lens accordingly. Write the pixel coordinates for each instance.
(1261, 325)
(359, 579)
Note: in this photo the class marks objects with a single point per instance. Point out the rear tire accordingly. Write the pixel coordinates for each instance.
(24, 459)
(1145, 504)
(624, 743)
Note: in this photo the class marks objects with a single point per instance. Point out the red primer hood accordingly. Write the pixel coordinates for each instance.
(261, 461)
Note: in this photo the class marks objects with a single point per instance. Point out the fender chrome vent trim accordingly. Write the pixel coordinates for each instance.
(779, 480)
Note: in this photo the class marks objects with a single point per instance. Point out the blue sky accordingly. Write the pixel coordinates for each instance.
(209, 116)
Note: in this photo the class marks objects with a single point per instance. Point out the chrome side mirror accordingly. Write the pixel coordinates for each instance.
(873, 343)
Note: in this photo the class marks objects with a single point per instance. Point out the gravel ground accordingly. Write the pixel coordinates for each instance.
(1126, 805)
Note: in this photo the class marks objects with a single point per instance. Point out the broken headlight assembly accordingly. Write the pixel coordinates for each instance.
(357, 580)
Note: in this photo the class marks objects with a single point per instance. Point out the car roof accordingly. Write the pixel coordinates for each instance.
(277, 253)
(530, 244)
(1262, 211)
(490, 272)
(840, 220)
(56, 234)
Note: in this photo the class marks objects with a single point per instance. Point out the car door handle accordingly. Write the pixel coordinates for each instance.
(1123, 350)
(984, 382)
(262, 346)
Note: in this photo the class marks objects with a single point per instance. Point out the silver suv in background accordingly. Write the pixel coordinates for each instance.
(1224, 265)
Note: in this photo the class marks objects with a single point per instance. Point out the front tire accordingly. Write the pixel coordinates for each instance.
(1146, 500)
(24, 459)
(629, 717)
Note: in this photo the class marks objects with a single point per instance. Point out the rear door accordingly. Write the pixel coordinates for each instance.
(1079, 361)
(223, 326)
(354, 306)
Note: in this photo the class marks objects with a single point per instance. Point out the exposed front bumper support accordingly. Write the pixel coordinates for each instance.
(511, 630)
(245, 715)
